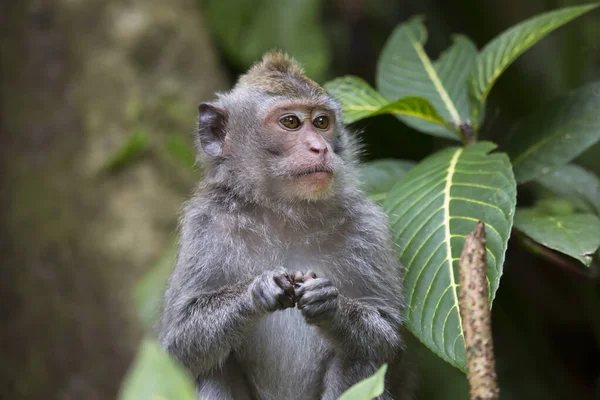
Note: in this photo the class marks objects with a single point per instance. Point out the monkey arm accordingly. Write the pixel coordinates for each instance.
(367, 322)
(365, 330)
(201, 330)
(204, 313)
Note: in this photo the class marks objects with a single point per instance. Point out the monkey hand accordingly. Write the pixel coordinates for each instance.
(316, 298)
(272, 290)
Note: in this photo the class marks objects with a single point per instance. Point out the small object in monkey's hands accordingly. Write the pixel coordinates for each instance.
(299, 277)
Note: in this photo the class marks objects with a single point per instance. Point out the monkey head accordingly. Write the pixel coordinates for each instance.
(276, 136)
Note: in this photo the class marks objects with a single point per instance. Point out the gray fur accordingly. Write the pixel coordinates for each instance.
(223, 314)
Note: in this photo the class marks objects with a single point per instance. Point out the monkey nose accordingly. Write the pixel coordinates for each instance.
(316, 145)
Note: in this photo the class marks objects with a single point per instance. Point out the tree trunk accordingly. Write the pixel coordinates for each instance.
(77, 77)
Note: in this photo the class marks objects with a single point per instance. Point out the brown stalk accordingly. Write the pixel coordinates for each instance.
(476, 317)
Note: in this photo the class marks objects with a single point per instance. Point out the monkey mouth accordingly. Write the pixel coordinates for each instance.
(320, 169)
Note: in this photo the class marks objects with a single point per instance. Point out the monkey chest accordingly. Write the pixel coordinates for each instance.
(284, 358)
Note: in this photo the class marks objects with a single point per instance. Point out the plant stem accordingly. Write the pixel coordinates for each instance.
(476, 317)
(468, 133)
(554, 257)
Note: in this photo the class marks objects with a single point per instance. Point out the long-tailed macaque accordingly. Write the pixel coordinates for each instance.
(287, 285)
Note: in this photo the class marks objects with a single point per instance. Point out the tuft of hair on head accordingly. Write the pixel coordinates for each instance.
(279, 74)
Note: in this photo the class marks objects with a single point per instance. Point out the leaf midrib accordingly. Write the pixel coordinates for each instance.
(435, 79)
(447, 238)
(408, 113)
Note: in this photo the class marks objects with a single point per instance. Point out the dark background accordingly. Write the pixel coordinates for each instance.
(97, 112)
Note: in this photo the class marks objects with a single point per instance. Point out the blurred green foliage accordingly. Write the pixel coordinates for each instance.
(135, 145)
(368, 388)
(179, 148)
(246, 29)
(148, 291)
(154, 375)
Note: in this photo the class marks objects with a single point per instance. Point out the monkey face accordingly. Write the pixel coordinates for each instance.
(277, 136)
(299, 136)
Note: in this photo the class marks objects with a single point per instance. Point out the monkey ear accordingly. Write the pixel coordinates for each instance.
(211, 129)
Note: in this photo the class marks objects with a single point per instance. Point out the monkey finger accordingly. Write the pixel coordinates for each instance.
(300, 291)
(304, 289)
(308, 297)
(315, 284)
(322, 296)
(312, 309)
(284, 282)
(327, 293)
(285, 301)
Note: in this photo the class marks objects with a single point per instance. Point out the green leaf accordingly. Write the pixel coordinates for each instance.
(575, 184)
(453, 68)
(148, 291)
(154, 375)
(368, 388)
(134, 146)
(432, 209)
(556, 133)
(577, 235)
(404, 70)
(377, 177)
(498, 54)
(359, 100)
(555, 206)
(246, 29)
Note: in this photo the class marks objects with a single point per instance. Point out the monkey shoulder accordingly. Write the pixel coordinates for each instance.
(214, 241)
(205, 217)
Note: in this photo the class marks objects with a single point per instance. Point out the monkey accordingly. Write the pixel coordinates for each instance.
(286, 283)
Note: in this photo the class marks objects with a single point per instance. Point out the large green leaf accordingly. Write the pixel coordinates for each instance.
(359, 100)
(498, 54)
(368, 388)
(432, 209)
(577, 235)
(377, 177)
(154, 375)
(576, 184)
(404, 70)
(556, 133)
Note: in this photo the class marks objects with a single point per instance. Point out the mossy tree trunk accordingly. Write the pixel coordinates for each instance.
(77, 77)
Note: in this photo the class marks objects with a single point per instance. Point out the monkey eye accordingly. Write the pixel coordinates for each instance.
(321, 122)
(290, 122)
